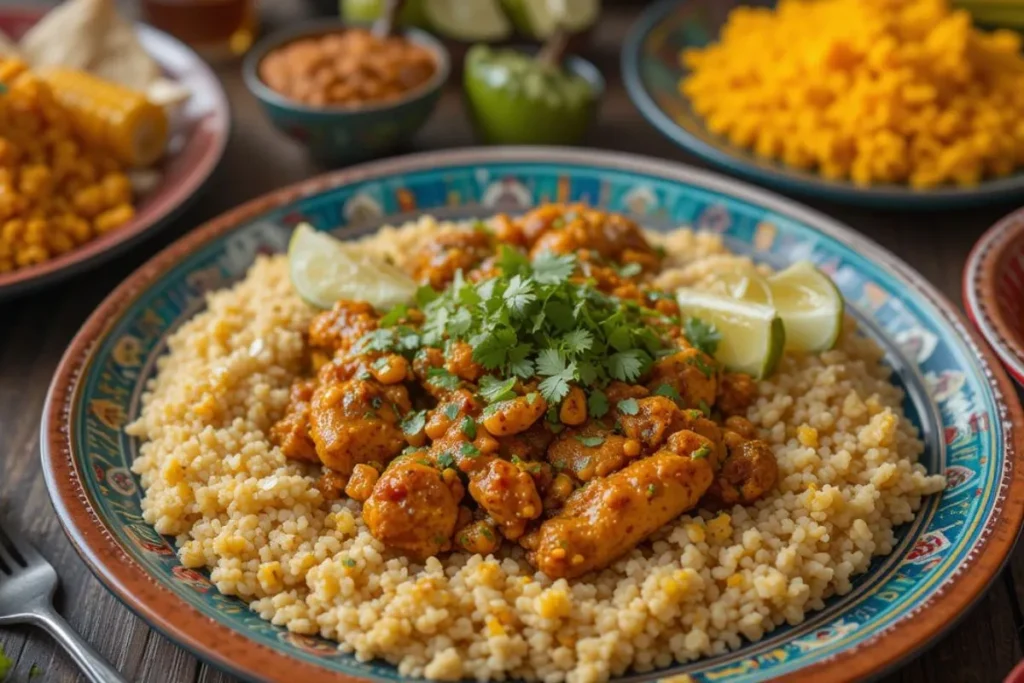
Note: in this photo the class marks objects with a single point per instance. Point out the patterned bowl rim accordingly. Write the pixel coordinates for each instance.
(981, 275)
(166, 205)
(234, 652)
(891, 195)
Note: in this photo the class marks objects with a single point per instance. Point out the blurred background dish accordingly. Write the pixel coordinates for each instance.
(993, 290)
(365, 124)
(653, 71)
(125, 164)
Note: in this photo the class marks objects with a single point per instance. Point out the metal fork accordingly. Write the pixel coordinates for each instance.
(27, 583)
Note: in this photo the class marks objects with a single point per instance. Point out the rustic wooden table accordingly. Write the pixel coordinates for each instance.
(34, 331)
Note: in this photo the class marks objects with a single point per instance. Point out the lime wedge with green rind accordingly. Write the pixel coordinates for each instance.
(468, 21)
(324, 270)
(742, 282)
(539, 18)
(752, 334)
(810, 306)
(366, 11)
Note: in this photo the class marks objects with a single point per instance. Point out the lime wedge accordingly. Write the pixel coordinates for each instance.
(539, 18)
(810, 306)
(745, 283)
(752, 335)
(471, 22)
(365, 11)
(324, 270)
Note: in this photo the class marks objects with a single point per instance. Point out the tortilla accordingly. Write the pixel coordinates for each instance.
(90, 35)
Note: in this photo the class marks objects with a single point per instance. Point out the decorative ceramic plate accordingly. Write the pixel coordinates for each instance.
(956, 394)
(651, 70)
(993, 290)
(199, 135)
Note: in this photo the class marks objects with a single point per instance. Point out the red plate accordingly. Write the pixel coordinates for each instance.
(198, 137)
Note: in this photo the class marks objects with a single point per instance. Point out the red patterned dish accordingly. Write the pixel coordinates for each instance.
(197, 144)
(993, 290)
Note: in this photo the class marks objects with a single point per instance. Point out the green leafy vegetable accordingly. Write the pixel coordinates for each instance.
(597, 403)
(702, 335)
(704, 407)
(628, 406)
(414, 422)
(394, 315)
(669, 391)
(590, 441)
(493, 389)
(468, 427)
(451, 411)
(701, 453)
(440, 377)
(445, 460)
(469, 450)
(631, 270)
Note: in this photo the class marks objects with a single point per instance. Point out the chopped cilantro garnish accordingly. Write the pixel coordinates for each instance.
(450, 410)
(348, 562)
(378, 340)
(468, 427)
(702, 335)
(382, 364)
(651, 490)
(394, 315)
(532, 397)
(597, 403)
(414, 422)
(631, 270)
(669, 391)
(376, 402)
(535, 319)
(493, 389)
(469, 450)
(363, 375)
(704, 407)
(445, 460)
(628, 406)
(440, 377)
(486, 533)
(409, 450)
(590, 441)
(369, 415)
(701, 453)
(702, 365)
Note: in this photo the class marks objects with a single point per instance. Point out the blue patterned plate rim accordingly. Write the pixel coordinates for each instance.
(776, 175)
(838, 651)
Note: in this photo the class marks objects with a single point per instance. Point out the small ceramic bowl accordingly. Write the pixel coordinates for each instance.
(993, 290)
(341, 134)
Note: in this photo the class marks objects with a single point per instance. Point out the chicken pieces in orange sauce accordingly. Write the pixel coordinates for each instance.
(540, 392)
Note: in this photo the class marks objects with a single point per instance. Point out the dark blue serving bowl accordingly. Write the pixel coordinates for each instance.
(652, 71)
(343, 134)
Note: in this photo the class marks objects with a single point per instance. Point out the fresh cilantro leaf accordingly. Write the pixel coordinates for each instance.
(626, 366)
(382, 364)
(519, 294)
(597, 404)
(450, 410)
(577, 341)
(394, 315)
(590, 441)
(491, 349)
(631, 270)
(363, 375)
(512, 261)
(669, 391)
(468, 427)
(378, 340)
(702, 365)
(439, 377)
(532, 397)
(587, 373)
(445, 460)
(409, 450)
(425, 294)
(702, 335)
(518, 362)
(460, 323)
(628, 406)
(494, 389)
(549, 269)
(469, 450)
(704, 407)
(414, 423)
(550, 362)
(554, 388)
(701, 453)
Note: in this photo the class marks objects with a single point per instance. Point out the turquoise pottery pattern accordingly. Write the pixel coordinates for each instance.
(651, 70)
(960, 414)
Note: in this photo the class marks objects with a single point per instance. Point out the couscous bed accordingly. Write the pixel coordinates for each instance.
(704, 583)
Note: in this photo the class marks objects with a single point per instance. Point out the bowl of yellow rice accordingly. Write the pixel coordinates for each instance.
(896, 103)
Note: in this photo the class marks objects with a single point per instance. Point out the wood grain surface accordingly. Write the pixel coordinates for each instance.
(982, 647)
